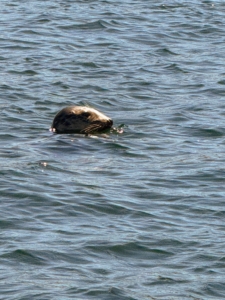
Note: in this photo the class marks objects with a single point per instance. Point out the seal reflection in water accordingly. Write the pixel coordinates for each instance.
(80, 119)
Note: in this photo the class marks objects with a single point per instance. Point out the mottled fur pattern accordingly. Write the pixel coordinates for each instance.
(80, 119)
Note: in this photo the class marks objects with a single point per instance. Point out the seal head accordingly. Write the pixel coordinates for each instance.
(80, 119)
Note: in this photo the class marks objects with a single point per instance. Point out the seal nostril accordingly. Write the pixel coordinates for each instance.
(110, 122)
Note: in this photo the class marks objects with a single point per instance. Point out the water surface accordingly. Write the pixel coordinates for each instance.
(133, 216)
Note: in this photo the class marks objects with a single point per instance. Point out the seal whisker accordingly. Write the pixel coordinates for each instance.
(92, 128)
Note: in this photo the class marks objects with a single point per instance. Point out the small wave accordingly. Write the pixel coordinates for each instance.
(206, 132)
(89, 25)
(24, 256)
(25, 72)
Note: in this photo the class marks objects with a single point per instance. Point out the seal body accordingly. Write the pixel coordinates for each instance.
(80, 119)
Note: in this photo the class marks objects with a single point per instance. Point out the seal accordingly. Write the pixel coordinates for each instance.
(80, 119)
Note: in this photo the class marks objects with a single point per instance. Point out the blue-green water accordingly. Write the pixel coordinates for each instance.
(138, 215)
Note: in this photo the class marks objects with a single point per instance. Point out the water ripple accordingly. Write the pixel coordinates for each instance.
(138, 215)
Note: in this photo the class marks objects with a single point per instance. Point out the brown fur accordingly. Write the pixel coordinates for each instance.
(80, 119)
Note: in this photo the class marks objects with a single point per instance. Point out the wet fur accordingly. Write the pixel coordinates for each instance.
(80, 119)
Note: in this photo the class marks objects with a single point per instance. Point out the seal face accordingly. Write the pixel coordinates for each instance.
(80, 119)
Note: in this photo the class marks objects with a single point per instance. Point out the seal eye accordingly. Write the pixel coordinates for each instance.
(85, 114)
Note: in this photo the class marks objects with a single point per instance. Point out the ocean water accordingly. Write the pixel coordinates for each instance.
(131, 216)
